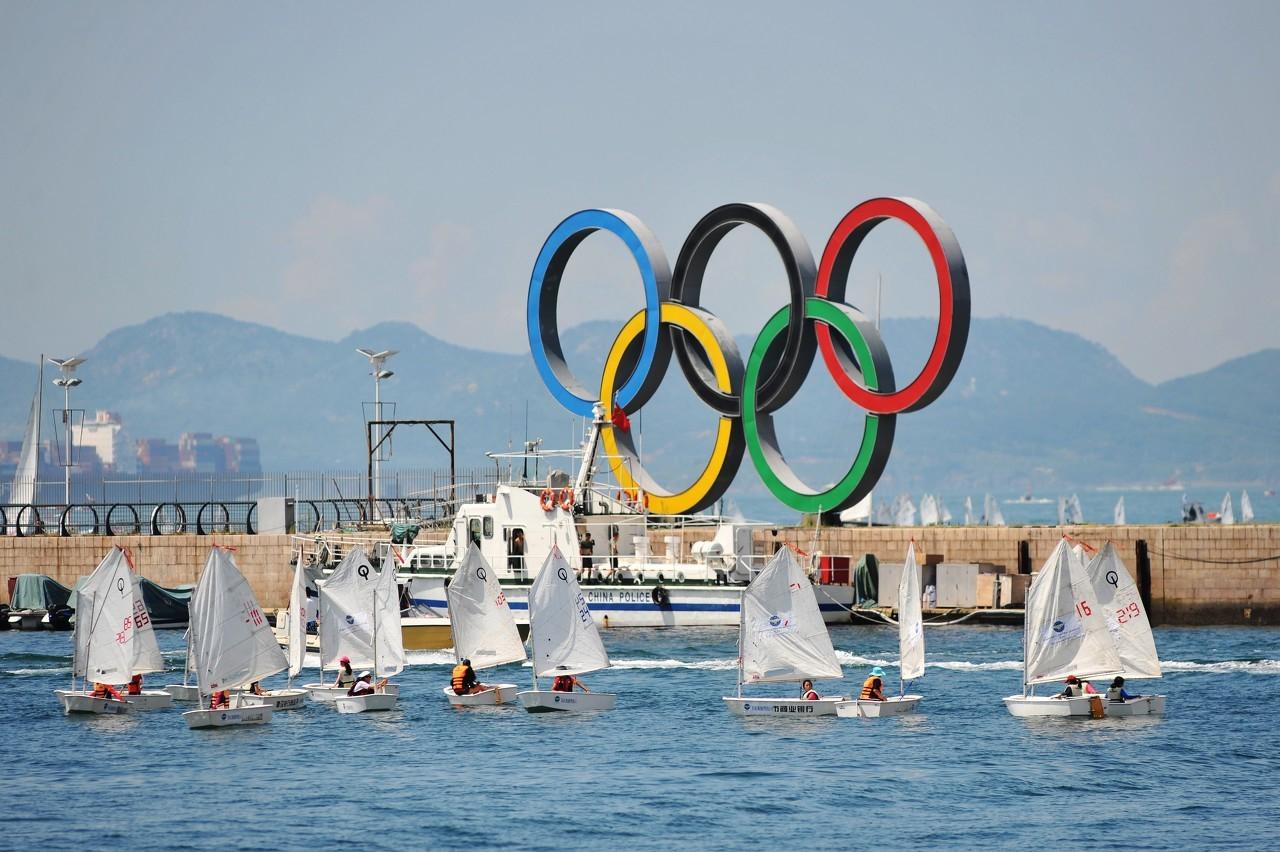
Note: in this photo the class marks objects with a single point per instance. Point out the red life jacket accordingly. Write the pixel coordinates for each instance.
(562, 683)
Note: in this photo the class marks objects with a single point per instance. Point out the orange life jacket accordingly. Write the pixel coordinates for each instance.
(219, 700)
(872, 689)
(459, 680)
(135, 686)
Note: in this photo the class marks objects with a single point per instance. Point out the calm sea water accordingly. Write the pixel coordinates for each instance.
(670, 768)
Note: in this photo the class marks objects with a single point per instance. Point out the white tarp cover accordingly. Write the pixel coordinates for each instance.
(562, 636)
(1126, 617)
(388, 640)
(484, 630)
(910, 619)
(781, 635)
(297, 618)
(347, 612)
(1065, 632)
(232, 645)
(146, 650)
(104, 636)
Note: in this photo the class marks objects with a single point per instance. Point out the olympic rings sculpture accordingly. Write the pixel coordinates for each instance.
(745, 396)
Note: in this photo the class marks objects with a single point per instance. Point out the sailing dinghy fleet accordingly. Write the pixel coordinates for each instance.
(1083, 620)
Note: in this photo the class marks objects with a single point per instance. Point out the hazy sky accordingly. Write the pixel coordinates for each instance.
(1110, 169)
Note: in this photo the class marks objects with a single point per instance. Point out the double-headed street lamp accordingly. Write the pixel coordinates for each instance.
(377, 360)
(67, 381)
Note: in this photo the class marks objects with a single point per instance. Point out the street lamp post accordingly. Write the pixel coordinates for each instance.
(377, 360)
(67, 381)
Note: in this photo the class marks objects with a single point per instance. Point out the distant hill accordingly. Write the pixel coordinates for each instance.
(1030, 408)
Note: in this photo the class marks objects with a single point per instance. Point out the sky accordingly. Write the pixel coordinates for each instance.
(1109, 169)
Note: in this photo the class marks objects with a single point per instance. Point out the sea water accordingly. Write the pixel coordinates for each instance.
(670, 767)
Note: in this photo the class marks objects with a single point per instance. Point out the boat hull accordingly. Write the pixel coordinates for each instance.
(82, 702)
(895, 706)
(499, 693)
(278, 699)
(182, 692)
(633, 605)
(1144, 705)
(1081, 706)
(327, 694)
(538, 701)
(150, 699)
(790, 707)
(196, 719)
(366, 702)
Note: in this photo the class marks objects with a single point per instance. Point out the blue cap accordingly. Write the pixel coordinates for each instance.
(877, 672)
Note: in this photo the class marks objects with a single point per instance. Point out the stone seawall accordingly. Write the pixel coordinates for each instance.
(1196, 574)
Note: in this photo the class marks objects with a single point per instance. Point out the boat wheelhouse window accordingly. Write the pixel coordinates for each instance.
(488, 526)
(475, 530)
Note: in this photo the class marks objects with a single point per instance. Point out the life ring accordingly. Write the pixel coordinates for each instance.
(566, 499)
(660, 596)
(548, 500)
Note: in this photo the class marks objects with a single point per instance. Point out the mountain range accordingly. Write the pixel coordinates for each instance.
(1030, 408)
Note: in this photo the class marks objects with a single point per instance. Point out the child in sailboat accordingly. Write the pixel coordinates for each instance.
(106, 690)
(873, 686)
(135, 685)
(566, 683)
(807, 692)
(346, 677)
(364, 685)
(1117, 692)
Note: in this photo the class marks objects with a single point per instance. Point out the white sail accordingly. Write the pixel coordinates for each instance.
(1126, 617)
(781, 634)
(1064, 633)
(232, 645)
(944, 514)
(991, 509)
(904, 512)
(297, 619)
(146, 650)
(347, 612)
(928, 511)
(910, 619)
(1075, 514)
(1118, 513)
(562, 636)
(969, 519)
(104, 646)
(1226, 515)
(858, 513)
(1246, 508)
(23, 491)
(1062, 511)
(389, 640)
(484, 630)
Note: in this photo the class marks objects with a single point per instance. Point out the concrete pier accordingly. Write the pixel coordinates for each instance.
(1192, 575)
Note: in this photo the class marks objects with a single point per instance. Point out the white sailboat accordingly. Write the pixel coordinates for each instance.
(1130, 628)
(910, 649)
(232, 645)
(185, 691)
(969, 519)
(111, 643)
(991, 511)
(929, 516)
(563, 640)
(1225, 514)
(24, 491)
(360, 619)
(484, 630)
(146, 653)
(1063, 634)
(1117, 515)
(782, 638)
(290, 697)
(1246, 508)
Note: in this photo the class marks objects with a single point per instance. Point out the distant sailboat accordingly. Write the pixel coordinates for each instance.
(944, 514)
(360, 619)
(1226, 515)
(1246, 508)
(25, 477)
(1126, 617)
(290, 697)
(904, 511)
(910, 649)
(563, 640)
(1118, 513)
(232, 645)
(991, 511)
(928, 511)
(484, 630)
(782, 638)
(969, 519)
(1063, 633)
